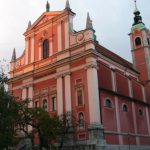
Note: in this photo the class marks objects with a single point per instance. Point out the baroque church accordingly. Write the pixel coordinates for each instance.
(65, 70)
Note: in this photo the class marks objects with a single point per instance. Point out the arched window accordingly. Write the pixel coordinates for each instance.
(125, 108)
(108, 103)
(140, 112)
(81, 120)
(44, 104)
(138, 41)
(45, 49)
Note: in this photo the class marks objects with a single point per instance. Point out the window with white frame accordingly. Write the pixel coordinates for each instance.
(45, 48)
(125, 108)
(79, 97)
(44, 105)
(108, 103)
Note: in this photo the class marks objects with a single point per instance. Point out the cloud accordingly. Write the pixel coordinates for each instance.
(112, 20)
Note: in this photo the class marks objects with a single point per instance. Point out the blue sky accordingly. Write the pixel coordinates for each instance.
(112, 21)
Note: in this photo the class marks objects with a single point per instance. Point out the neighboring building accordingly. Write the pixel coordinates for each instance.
(65, 70)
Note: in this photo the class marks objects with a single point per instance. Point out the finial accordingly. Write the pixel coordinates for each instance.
(89, 22)
(47, 7)
(136, 9)
(29, 24)
(13, 59)
(67, 5)
(137, 17)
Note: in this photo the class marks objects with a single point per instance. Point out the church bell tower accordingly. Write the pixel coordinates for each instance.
(140, 46)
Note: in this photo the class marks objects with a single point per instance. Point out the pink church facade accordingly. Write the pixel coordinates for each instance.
(64, 70)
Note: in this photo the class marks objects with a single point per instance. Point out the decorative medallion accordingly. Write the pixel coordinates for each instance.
(80, 38)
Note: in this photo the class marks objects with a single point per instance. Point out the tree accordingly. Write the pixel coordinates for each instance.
(69, 123)
(8, 113)
(42, 124)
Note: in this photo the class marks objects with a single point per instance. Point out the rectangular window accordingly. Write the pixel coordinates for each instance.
(36, 104)
(54, 103)
(79, 97)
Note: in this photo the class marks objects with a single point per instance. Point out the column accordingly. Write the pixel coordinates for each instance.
(24, 93)
(67, 33)
(59, 37)
(95, 128)
(118, 120)
(148, 121)
(67, 92)
(30, 96)
(135, 123)
(113, 77)
(130, 88)
(26, 50)
(143, 92)
(93, 91)
(59, 95)
(40, 50)
(51, 46)
(32, 49)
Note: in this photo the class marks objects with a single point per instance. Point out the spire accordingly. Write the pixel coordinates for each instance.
(89, 22)
(47, 7)
(137, 17)
(67, 5)
(13, 59)
(29, 24)
(135, 6)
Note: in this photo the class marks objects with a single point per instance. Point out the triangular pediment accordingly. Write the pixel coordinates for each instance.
(44, 18)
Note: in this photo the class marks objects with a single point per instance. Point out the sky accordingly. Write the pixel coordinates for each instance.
(112, 21)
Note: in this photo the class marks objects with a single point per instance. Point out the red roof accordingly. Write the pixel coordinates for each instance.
(115, 57)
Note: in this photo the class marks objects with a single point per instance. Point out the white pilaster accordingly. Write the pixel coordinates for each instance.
(135, 123)
(130, 88)
(40, 52)
(148, 120)
(32, 49)
(60, 95)
(118, 120)
(113, 77)
(68, 92)
(59, 37)
(93, 93)
(51, 47)
(24, 93)
(143, 92)
(26, 51)
(30, 96)
(66, 34)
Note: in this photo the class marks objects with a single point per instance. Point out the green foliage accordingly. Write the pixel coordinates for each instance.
(16, 117)
(8, 113)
